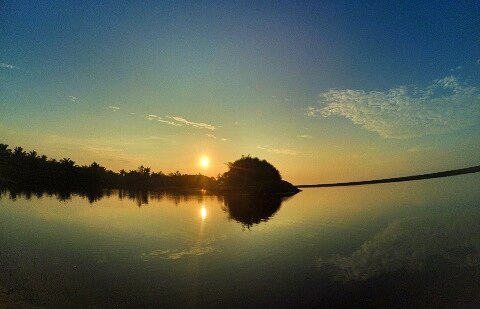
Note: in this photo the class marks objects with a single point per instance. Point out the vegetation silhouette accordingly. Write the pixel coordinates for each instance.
(28, 171)
(254, 176)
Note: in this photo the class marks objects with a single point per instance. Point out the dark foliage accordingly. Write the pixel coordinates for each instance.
(255, 176)
(248, 170)
(22, 169)
(27, 170)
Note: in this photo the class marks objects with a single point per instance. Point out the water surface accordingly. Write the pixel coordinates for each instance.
(398, 244)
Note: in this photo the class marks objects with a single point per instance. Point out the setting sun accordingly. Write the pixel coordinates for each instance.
(204, 162)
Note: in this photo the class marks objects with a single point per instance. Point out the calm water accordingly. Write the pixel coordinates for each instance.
(415, 243)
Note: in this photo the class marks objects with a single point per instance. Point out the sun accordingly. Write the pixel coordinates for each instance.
(204, 162)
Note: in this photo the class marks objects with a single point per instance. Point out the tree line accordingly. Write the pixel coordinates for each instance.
(29, 169)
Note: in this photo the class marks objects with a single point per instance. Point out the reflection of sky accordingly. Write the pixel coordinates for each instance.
(409, 244)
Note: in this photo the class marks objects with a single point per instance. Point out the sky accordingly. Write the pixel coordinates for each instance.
(326, 91)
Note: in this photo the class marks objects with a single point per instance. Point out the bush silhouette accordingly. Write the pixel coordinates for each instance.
(252, 175)
(248, 170)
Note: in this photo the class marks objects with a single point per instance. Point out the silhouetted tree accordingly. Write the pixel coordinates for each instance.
(248, 170)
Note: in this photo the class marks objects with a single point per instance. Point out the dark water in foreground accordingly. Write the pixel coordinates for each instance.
(402, 244)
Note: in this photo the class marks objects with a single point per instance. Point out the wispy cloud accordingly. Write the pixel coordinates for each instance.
(72, 98)
(223, 139)
(162, 120)
(405, 112)
(305, 136)
(284, 151)
(7, 66)
(170, 122)
(152, 117)
(114, 108)
(199, 125)
(458, 68)
(180, 122)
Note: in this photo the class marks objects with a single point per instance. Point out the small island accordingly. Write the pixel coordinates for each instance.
(250, 175)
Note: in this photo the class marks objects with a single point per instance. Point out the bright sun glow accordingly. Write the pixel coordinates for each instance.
(203, 212)
(204, 162)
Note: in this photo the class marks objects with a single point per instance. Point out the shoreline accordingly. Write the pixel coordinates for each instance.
(449, 173)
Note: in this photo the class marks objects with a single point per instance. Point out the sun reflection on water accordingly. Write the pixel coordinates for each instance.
(203, 212)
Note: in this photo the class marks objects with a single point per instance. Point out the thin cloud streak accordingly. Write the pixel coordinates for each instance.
(283, 151)
(160, 119)
(7, 66)
(216, 138)
(305, 136)
(152, 117)
(170, 122)
(113, 108)
(444, 106)
(199, 125)
(180, 122)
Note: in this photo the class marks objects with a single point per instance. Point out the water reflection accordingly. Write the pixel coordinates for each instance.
(414, 244)
(392, 245)
(203, 212)
(141, 198)
(250, 210)
(246, 209)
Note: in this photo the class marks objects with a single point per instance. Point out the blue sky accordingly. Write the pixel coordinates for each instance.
(325, 91)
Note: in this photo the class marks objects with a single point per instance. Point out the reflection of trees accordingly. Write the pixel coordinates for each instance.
(140, 197)
(251, 209)
(246, 209)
